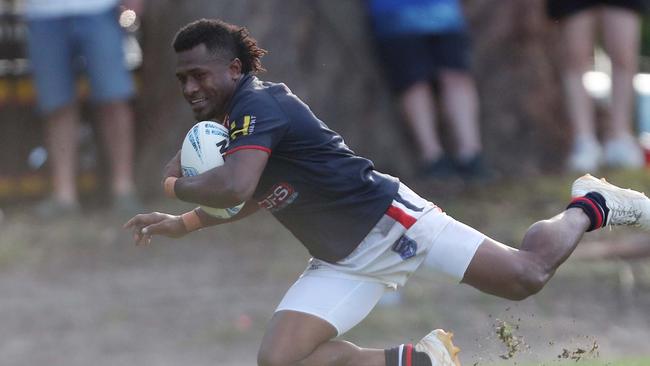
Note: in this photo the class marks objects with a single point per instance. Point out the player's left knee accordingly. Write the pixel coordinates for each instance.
(531, 278)
(524, 277)
(531, 284)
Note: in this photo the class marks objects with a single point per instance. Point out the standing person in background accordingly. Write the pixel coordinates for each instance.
(64, 35)
(425, 43)
(619, 22)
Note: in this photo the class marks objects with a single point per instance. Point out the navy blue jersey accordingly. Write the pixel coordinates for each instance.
(327, 196)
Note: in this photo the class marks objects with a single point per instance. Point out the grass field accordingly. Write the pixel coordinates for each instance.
(77, 292)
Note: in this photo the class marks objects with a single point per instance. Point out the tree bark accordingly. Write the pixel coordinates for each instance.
(323, 52)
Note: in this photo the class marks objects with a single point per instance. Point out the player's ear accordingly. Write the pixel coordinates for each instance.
(235, 68)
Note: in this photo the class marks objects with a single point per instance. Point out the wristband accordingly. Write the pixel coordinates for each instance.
(191, 221)
(168, 186)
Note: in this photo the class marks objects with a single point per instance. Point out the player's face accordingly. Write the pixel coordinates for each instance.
(207, 81)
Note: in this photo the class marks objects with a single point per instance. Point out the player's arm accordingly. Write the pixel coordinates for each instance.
(205, 219)
(144, 226)
(225, 186)
(173, 167)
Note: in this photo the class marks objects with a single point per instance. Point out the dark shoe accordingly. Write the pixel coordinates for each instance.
(474, 169)
(441, 168)
(52, 208)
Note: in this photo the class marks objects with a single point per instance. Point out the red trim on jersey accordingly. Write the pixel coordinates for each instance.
(248, 147)
(400, 216)
(409, 353)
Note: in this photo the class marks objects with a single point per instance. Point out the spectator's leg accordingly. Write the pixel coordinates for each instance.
(418, 106)
(112, 89)
(116, 119)
(578, 37)
(578, 46)
(61, 135)
(621, 29)
(51, 52)
(621, 36)
(578, 34)
(460, 104)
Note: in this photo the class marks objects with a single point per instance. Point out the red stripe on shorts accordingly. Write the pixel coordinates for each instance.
(409, 354)
(400, 216)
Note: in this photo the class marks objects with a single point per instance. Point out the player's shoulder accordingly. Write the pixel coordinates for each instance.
(255, 108)
(259, 97)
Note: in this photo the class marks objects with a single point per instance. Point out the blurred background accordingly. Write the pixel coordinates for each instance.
(74, 291)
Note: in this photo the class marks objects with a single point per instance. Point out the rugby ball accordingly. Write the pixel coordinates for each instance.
(202, 150)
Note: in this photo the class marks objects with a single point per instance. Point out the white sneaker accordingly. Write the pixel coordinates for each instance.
(586, 155)
(626, 207)
(623, 152)
(438, 346)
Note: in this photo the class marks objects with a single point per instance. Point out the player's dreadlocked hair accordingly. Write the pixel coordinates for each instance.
(219, 36)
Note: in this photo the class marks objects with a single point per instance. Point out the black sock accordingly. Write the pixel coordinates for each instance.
(593, 205)
(410, 357)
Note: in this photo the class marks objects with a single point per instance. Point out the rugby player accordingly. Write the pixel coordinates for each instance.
(366, 231)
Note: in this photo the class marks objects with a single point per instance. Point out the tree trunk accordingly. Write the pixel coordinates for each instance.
(322, 51)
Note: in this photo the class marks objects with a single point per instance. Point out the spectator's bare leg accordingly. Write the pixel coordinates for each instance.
(117, 120)
(621, 41)
(578, 38)
(459, 100)
(418, 105)
(61, 137)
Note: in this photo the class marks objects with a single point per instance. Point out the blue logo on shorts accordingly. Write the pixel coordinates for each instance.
(405, 247)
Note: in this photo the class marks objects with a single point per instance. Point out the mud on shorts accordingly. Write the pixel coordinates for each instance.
(411, 231)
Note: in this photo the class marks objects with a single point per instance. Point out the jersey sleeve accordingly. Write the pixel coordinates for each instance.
(258, 124)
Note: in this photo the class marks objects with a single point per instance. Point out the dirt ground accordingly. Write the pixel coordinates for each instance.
(77, 292)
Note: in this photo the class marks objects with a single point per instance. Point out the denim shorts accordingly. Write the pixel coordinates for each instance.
(61, 48)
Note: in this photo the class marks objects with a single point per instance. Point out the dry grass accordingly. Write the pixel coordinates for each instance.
(77, 292)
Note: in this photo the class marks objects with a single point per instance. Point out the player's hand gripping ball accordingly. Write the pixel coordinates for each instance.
(202, 150)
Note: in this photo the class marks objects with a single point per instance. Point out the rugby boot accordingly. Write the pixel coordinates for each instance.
(626, 206)
(438, 346)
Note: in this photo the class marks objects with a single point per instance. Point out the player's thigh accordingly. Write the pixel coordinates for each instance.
(314, 310)
(452, 248)
(101, 43)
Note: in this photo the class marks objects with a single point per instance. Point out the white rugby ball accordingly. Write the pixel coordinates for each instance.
(202, 150)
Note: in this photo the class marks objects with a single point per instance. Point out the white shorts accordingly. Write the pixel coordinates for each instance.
(412, 230)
